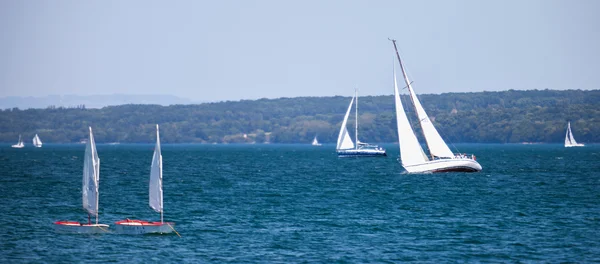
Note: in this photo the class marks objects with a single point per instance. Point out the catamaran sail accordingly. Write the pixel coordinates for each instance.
(345, 146)
(569, 139)
(414, 159)
(91, 180)
(155, 191)
(37, 142)
(155, 198)
(19, 144)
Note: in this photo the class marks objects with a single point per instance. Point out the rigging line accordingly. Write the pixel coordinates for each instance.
(174, 229)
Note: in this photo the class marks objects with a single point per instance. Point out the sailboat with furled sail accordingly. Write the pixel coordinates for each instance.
(155, 194)
(91, 179)
(19, 144)
(414, 159)
(345, 146)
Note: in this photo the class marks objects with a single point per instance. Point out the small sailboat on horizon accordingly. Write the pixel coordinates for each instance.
(37, 142)
(569, 139)
(90, 194)
(345, 147)
(315, 142)
(155, 195)
(19, 144)
(414, 159)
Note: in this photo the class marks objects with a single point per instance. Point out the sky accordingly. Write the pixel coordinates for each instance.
(232, 50)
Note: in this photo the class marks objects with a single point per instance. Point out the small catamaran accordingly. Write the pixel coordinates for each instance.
(414, 159)
(345, 146)
(91, 179)
(155, 195)
(37, 142)
(19, 144)
(570, 140)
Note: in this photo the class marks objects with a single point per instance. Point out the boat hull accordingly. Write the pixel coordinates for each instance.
(361, 152)
(79, 228)
(445, 165)
(139, 227)
(574, 145)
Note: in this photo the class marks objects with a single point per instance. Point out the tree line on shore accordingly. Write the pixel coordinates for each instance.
(479, 117)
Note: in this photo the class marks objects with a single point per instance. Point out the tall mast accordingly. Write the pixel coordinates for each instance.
(410, 90)
(356, 119)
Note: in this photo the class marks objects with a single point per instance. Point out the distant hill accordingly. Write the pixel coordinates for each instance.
(482, 117)
(92, 101)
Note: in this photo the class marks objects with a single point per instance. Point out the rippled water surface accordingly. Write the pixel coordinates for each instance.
(296, 203)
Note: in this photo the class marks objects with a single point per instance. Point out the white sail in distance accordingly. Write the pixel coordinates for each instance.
(155, 186)
(344, 141)
(91, 177)
(36, 141)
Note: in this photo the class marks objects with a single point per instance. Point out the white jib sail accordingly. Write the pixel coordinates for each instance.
(437, 146)
(155, 193)
(571, 138)
(344, 141)
(91, 176)
(410, 150)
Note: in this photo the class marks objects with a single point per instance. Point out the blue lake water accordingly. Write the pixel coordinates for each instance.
(299, 203)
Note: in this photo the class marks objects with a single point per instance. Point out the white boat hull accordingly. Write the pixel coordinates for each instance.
(361, 152)
(76, 227)
(574, 145)
(445, 165)
(137, 227)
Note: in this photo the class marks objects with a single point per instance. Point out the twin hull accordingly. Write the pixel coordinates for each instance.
(135, 227)
(76, 227)
(444, 165)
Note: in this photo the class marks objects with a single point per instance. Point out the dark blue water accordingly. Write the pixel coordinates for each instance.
(295, 203)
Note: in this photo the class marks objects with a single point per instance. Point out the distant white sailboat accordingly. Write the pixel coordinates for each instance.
(569, 139)
(37, 142)
(347, 148)
(414, 159)
(19, 144)
(315, 142)
(90, 194)
(155, 195)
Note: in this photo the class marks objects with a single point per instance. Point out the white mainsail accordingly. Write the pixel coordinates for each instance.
(155, 188)
(344, 141)
(435, 143)
(91, 177)
(36, 141)
(409, 145)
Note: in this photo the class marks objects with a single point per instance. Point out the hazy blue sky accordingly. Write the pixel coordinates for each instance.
(231, 50)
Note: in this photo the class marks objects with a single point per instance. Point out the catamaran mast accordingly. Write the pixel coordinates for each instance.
(410, 90)
(356, 119)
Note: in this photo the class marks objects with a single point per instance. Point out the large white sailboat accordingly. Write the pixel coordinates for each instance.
(414, 159)
(19, 144)
(345, 146)
(37, 142)
(569, 139)
(155, 194)
(91, 180)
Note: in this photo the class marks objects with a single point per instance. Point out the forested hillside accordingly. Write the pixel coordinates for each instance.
(487, 117)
